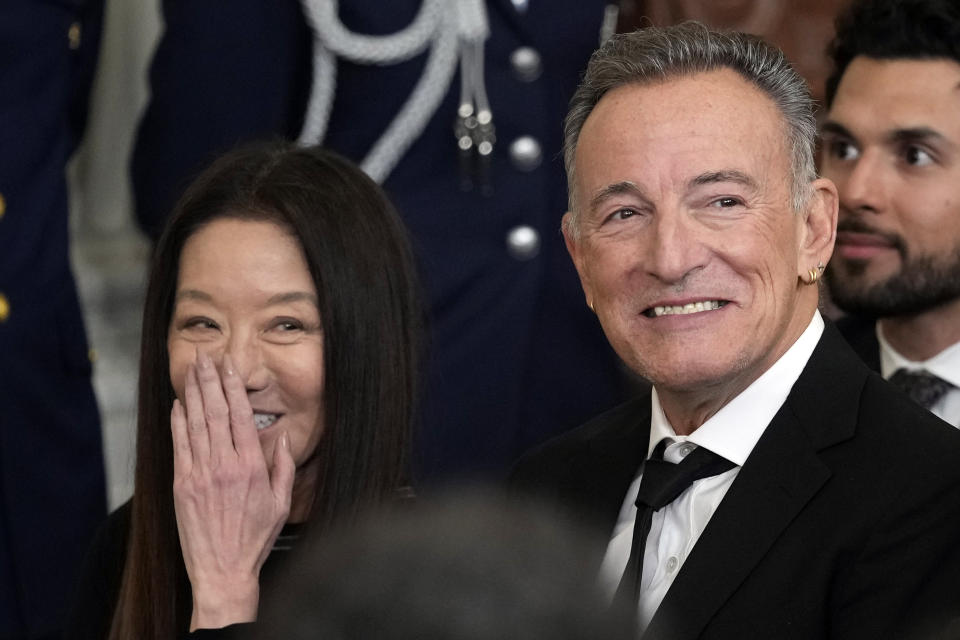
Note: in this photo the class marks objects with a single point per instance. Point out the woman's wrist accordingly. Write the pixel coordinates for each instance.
(215, 608)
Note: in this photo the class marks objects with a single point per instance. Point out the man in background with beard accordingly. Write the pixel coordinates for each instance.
(891, 143)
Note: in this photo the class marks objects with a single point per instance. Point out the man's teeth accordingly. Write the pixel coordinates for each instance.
(264, 420)
(692, 307)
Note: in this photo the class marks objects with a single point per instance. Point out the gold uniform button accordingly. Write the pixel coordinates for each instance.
(73, 35)
(4, 308)
(3, 205)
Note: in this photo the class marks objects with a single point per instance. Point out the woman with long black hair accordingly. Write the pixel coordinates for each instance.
(278, 370)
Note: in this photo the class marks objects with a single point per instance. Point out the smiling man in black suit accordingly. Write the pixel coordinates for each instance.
(769, 485)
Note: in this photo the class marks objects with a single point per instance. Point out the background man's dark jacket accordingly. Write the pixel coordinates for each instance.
(861, 334)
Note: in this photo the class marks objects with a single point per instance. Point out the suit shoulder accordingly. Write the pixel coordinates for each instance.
(553, 456)
(903, 457)
(906, 428)
(585, 472)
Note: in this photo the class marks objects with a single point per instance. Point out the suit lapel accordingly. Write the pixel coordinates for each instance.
(766, 495)
(598, 478)
(782, 474)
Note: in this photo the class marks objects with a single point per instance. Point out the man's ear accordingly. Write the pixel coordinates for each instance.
(574, 247)
(819, 232)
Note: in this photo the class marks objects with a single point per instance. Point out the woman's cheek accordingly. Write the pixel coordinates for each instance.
(180, 356)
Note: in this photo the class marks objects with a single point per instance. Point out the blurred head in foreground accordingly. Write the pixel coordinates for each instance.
(466, 567)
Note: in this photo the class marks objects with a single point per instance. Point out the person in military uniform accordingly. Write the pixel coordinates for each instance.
(52, 490)
(472, 163)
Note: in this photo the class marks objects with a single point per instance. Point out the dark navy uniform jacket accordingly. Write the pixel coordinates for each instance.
(52, 492)
(515, 355)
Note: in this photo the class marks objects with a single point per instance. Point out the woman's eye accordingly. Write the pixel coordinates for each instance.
(286, 325)
(284, 331)
(917, 157)
(200, 324)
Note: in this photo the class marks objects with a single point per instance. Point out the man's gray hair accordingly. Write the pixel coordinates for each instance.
(655, 54)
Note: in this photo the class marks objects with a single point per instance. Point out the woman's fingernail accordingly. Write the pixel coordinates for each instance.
(203, 360)
(228, 365)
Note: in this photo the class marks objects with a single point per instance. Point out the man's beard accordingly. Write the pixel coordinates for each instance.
(924, 282)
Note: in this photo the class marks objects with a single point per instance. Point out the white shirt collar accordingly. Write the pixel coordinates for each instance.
(734, 430)
(944, 365)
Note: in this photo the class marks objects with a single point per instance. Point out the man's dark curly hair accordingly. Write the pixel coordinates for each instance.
(884, 29)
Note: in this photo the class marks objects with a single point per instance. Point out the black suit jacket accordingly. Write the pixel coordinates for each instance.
(843, 522)
(861, 334)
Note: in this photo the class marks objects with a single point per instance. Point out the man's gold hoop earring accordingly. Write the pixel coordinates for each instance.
(814, 273)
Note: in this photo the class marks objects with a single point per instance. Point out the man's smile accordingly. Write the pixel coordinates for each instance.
(686, 308)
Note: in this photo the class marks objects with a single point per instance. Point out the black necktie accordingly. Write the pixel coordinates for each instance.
(923, 387)
(662, 482)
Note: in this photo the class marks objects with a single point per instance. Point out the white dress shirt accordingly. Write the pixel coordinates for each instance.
(732, 433)
(944, 365)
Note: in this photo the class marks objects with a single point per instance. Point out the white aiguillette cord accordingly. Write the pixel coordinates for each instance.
(452, 29)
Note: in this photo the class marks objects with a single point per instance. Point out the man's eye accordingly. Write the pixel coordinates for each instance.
(623, 214)
(725, 203)
(843, 150)
(917, 157)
